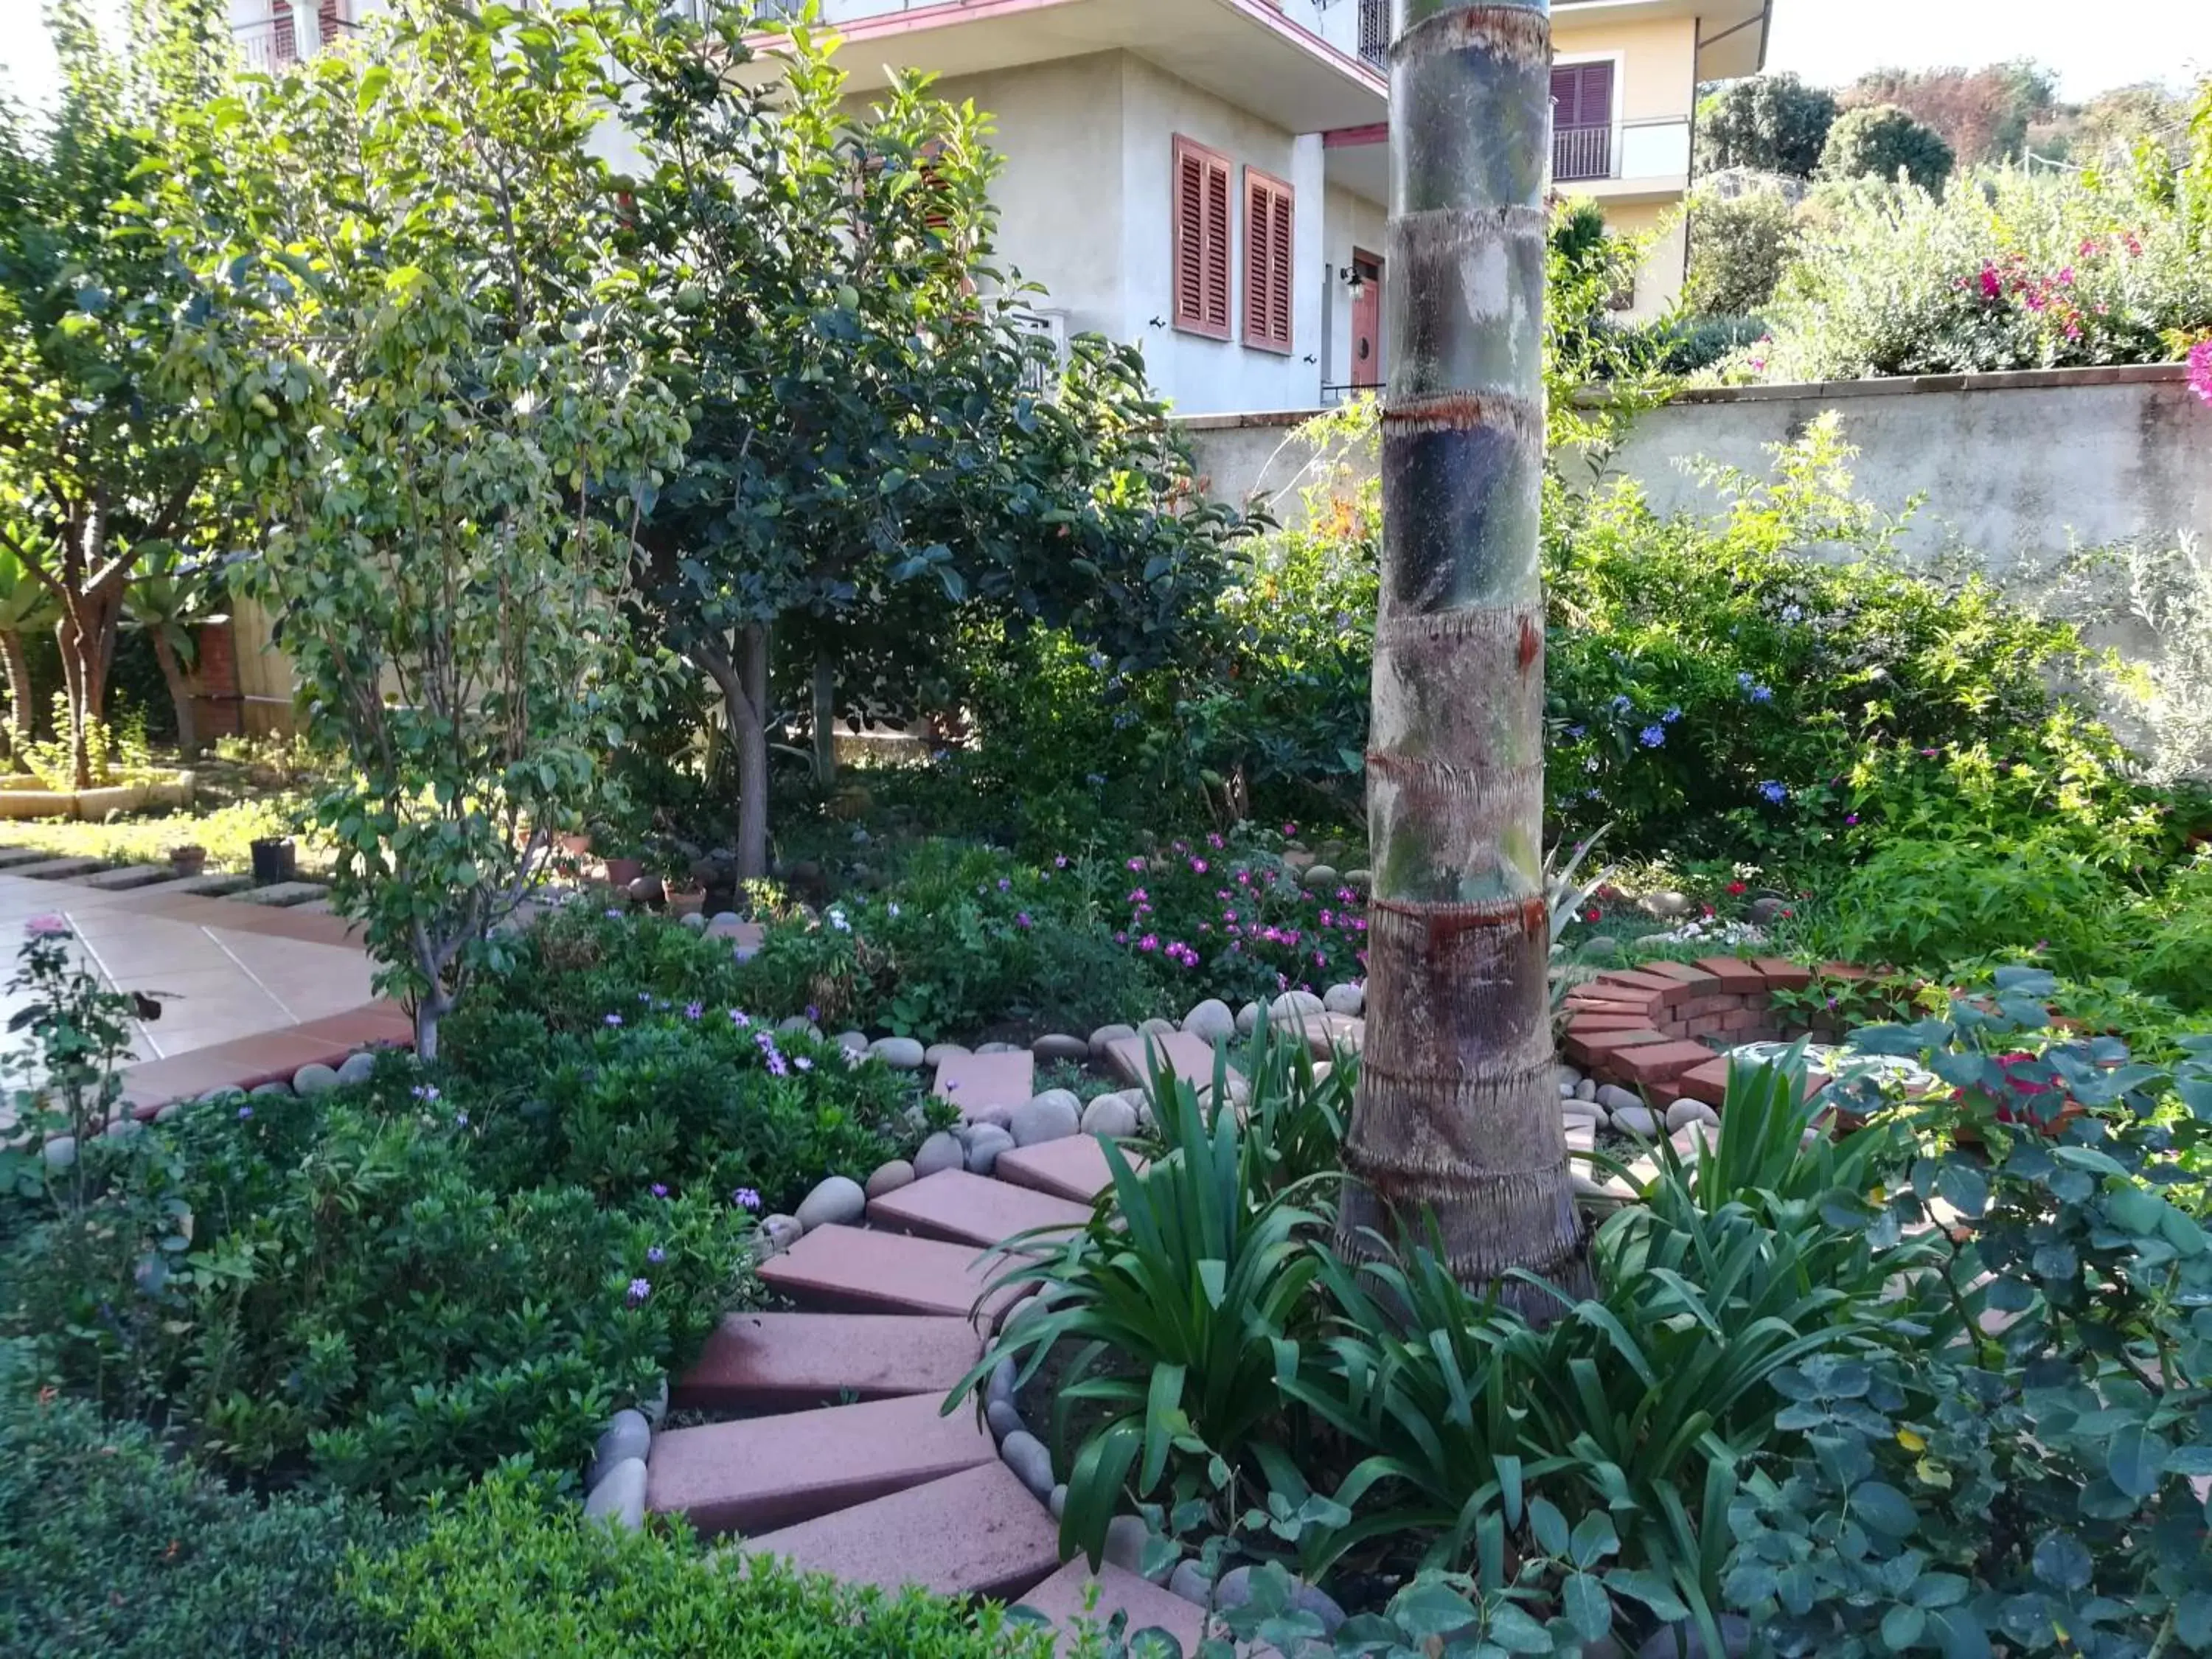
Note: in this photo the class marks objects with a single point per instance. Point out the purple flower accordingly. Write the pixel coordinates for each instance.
(1021, 918)
(461, 1120)
(656, 1255)
(803, 1063)
(614, 915)
(2200, 370)
(645, 996)
(614, 1019)
(1652, 737)
(740, 1018)
(1136, 864)
(1005, 885)
(813, 1014)
(659, 1191)
(1850, 817)
(1672, 715)
(693, 1010)
(245, 1112)
(425, 1092)
(46, 927)
(639, 1289)
(745, 1199)
(1775, 794)
(1060, 861)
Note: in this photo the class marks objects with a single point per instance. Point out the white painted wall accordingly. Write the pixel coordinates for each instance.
(1199, 375)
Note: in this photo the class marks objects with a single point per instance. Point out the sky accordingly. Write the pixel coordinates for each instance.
(2093, 47)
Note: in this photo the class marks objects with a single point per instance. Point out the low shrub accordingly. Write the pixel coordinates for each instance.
(109, 1545)
(504, 1575)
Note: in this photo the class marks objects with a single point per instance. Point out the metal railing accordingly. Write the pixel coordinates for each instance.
(1579, 153)
(268, 44)
(1374, 32)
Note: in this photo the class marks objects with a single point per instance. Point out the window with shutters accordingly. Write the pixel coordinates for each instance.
(1581, 121)
(1268, 261)
(1201, 239)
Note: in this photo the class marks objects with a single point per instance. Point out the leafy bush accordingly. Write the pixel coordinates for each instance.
(1740, 245)
(1767, 123)
(2005, 270)
(1880, 141)
(504, 1575)
(109, 1545)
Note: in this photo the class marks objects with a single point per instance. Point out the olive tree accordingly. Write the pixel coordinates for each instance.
(102, 468)
(1456, 1114)
(443, 411)
(878, 438)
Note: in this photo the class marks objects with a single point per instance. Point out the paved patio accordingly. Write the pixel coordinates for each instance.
(249, 991)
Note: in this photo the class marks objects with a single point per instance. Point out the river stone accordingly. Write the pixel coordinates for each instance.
(839, 1200)
(1635, 1121)
(1001, 1383)
(1211, 1021)
(938, 1053)
(1111, 1115)
(1249, 1017)
(1685, 1112)
(1105, 1036)
(1053, 1115)
(1024, 1454)
(1236, 1589)
(695, 921)
(1666, 906)
(174, 1108)
(1003, 1418)
(1765, 913)
(940, 1152)
(357, 1067)
(1294, 1002)
(1359, 881)
(1321, 878)
(998, 1048)
(1058, 1501)
(890, 1177)
(627, 1435)
(276, 1086)
(853, 1043)
(1154, 1028)
(1600, 945)
(122, 1130)
(619, 1500)
(778, 1233)
(1614, 1098)
(1567, 1075)
(1586, 1090)
(1125, 1538)
(1189, 1581)
(59, 1151)
(310, 1080)
(725, 919)
(900, 1054)
(1350, 1000)
(984, 1146)
(1663, 1644)
(1060, 1046)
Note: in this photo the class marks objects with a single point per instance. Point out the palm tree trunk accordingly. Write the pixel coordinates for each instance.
(21, 716)
(1457, 1113)
(180, 692)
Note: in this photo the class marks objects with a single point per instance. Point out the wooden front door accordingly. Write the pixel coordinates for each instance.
(1367, 320)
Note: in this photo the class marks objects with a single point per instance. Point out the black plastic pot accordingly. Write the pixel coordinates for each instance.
(273, 860)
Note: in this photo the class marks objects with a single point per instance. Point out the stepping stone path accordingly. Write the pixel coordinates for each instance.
(282, 894)
(837, 1451)
(977, 1082)
(130, 876)
(57, 869)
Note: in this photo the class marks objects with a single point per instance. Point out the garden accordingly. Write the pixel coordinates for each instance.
(915, 1033)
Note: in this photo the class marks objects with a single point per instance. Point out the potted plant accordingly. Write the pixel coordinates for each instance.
(188, 859)
(686, 896)
(622, 872)
(274, 860)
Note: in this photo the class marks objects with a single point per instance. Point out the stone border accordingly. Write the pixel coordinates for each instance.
(164, 788)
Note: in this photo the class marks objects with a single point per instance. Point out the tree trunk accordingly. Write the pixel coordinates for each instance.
(825, 719)
(1457, 1112)
(87, 634)
(22, 718)
(743, 682)
(180, 692)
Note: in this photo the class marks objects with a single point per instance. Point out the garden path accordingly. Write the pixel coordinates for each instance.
(847, 1463)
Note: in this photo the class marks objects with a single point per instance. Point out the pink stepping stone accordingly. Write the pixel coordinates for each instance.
(1073, 1168)
(1062, 1598)
(976, 1082)
(970, 1209)
(1190, 1058)
(976, 1533)
(784, 1361)
(768, 1472)
(848, 1270)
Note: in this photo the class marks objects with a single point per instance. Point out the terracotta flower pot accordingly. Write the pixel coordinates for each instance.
(621, 872)
(686, 901)
(188, 860)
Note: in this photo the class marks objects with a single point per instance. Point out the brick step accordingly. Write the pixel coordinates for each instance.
(215, 884)
(1073, 1168)
(979, 1532)
(13, 857)
(769, 1472)
(57, 869)
(971, 1209)
(282, 894)
(1062, 1598)
(786, 1361)
(837, 1269)
(975, 1082)
(130, 876)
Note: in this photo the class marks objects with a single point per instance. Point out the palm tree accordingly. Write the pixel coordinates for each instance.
(167, 600)
(1457, 1113)
(26, 602)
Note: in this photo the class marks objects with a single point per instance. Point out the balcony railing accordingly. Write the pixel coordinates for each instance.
(1581, 153)
(268, 44)
(1375, 33)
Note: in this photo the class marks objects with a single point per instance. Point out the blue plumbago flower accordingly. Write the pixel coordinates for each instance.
(1651, 736)
(1096, 779)
(461, 1120)
(1791, 613)
(1578, 733)
(1593, 794)
(1762, 694)
(1672, 715)
(425, 1092)
(614, 915)
(837, 920)
(1098, 659)
(245, 1112)
(1621, 705)
(1774, 792)
(614, 1019)
(656, 1255)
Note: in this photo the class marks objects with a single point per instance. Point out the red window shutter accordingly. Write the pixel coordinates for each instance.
(1201, 214)
(283, 43)
(1268, 261)
(1581, 95)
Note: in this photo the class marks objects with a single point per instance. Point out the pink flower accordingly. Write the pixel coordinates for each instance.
(46, 927)
(2200, 370)
(1198, 866)
(1150, 942)
(1991, 286)
(1136, 864)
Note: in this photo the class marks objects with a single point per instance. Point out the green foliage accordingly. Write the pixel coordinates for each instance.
(2006, 271)
(1767, 124)
(438, 393)
(506, 1574)
(1881, 141)
(110, 1545)
(1740, 245)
